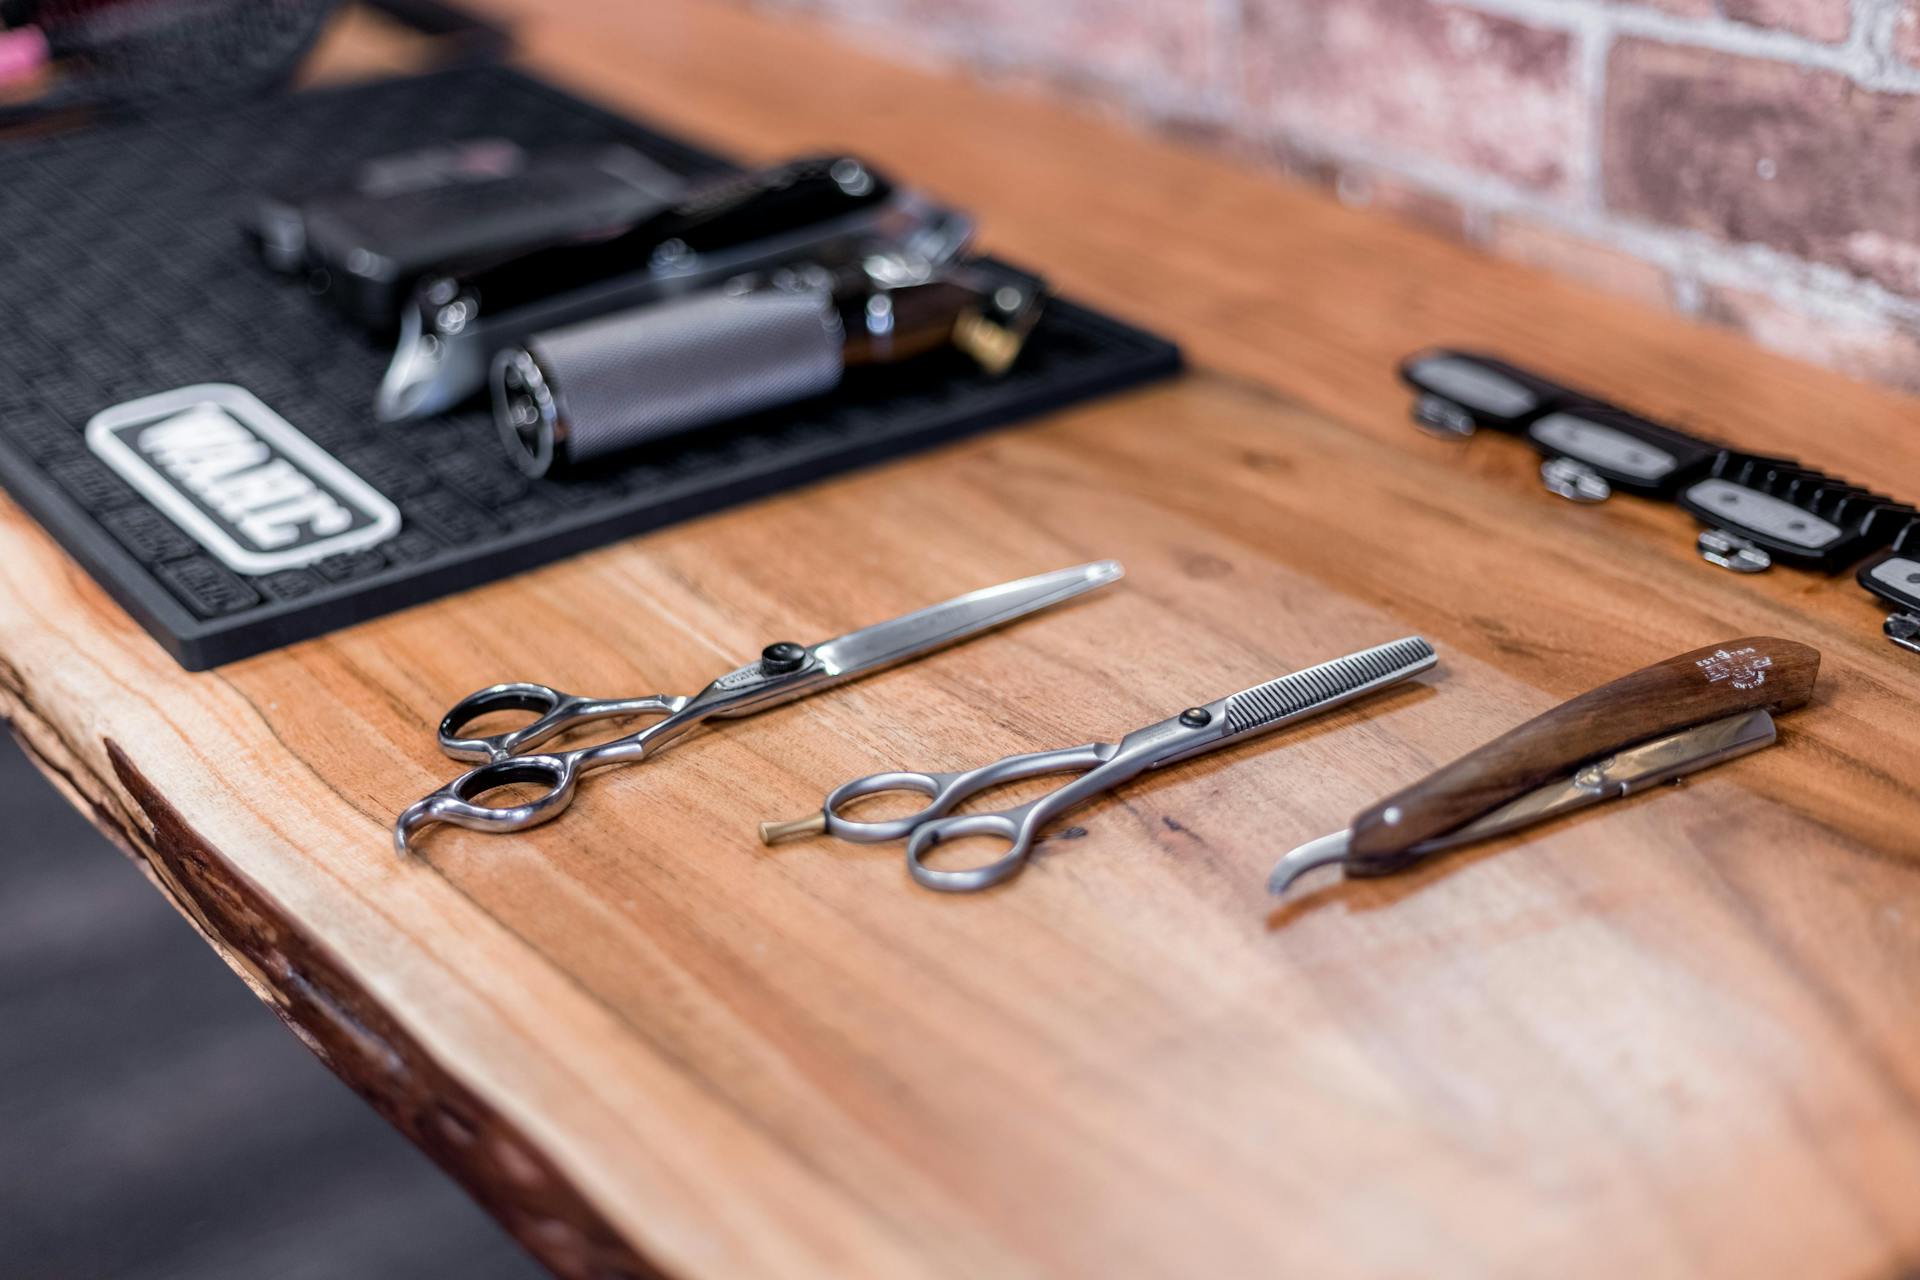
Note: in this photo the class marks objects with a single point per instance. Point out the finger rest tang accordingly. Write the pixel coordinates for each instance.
(811, 825)
(416, 815)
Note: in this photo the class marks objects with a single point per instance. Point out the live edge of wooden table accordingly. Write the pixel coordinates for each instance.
(1678, 1035)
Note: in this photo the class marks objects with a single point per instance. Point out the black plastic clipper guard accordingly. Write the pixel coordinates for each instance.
(1589, 448)
(1895, 578)
(1627, 452)
(1458, 392)
(1761, 511)
(124, 274)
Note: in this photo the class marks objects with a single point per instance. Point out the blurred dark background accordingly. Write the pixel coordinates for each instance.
(156, 1121)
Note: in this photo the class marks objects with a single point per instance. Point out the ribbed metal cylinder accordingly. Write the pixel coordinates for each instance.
(604, 385)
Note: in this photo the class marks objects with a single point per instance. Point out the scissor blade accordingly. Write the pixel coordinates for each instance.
(913, 634)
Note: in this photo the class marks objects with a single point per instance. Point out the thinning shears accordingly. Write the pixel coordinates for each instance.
(1101, 766)
(783, 672)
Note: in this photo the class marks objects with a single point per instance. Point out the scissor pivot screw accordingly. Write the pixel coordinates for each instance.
(778, 659)
(1196, 717)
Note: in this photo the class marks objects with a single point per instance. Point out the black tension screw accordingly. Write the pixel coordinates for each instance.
(781, 657)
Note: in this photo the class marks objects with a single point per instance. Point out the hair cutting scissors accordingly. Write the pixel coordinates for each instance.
(1101, 765)
(783, 672)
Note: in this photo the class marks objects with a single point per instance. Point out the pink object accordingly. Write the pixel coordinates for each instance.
(22, 53)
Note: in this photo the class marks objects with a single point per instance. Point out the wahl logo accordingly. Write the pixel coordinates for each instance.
(1745, 668)
(239, 478)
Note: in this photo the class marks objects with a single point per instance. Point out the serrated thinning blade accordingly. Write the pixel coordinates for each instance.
(1331, 684)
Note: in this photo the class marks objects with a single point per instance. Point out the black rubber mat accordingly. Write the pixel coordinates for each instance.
(123, 274)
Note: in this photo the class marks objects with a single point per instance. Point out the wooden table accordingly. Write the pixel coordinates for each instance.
(1679, 1035)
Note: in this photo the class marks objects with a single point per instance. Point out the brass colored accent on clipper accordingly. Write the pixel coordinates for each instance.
(617, 382)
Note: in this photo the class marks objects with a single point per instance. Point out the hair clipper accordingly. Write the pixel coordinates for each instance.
(588, 390)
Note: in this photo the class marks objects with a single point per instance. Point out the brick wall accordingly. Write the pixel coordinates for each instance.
(1752, 162)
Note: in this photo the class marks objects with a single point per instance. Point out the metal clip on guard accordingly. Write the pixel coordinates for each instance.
(1672, 718)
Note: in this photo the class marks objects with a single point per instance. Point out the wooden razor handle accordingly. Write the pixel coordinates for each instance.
(1757, 673)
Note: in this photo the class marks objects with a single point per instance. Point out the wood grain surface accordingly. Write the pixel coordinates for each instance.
(1675, 1035)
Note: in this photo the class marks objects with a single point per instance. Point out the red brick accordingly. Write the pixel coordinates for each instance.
(1816, 19)
(1486, 93)
(1906, 32)
(1577, 258)
(1877, 348)
(1749, 150)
